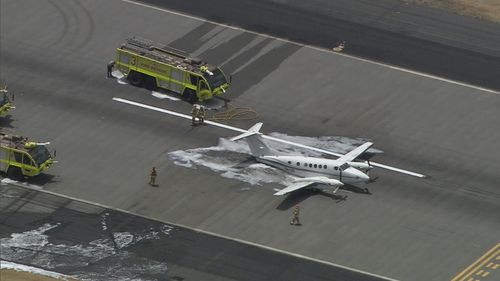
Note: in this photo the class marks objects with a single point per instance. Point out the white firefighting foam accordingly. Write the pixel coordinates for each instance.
(232, 159)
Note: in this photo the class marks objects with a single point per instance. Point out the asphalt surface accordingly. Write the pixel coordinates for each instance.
(390, 31)
(53, 56)
(113, 245)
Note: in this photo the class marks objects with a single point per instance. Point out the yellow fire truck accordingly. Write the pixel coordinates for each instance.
(5, 101)
(20, 157)
(144, 61)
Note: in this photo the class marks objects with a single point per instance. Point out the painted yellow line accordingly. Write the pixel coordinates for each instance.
(478, 264)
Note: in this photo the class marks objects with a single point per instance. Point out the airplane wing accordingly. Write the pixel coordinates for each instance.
(294, 187)
(351, 155)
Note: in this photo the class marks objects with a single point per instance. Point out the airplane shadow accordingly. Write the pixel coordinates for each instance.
(301, 195)
(356, 189)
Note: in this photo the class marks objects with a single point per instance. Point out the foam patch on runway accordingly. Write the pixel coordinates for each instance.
(232, 159)
(33, 247)
(162, 96)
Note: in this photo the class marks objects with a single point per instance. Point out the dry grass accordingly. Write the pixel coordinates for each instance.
(482, 9)
(13, 275)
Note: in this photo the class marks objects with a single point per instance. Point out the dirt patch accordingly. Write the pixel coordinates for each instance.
(13, 275)
(482, 9)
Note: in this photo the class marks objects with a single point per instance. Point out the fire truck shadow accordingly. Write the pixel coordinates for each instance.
(6, 122)
(42, 179)
(299, 196)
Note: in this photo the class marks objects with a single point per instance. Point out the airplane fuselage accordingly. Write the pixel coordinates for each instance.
(312, 166)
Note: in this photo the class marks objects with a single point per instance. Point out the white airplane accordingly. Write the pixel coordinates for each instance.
(323, 172)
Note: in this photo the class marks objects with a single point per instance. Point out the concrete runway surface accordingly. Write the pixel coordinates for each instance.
(390, 31)
(95, 243)
(53, 57)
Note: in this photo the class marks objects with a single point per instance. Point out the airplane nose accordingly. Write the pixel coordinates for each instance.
(365, 177)
(362, 176)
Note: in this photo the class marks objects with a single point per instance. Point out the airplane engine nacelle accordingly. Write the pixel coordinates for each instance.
(361, 165)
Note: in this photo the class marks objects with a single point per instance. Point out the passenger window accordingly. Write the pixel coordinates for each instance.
(289, 162)
(18, 156)
(324, 167)
(310, 165)
(124, 58)
(177, 75)
(315, 165)
(298, 164)
(336, 168)
(320, 166)
(27, 160)
(203, 85)
(194, 79)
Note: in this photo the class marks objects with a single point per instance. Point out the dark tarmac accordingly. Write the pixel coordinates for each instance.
(388, 31)
(53, 57)
(96, 243)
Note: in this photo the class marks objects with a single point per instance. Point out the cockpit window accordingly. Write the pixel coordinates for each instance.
(344, 166)
(40, 154)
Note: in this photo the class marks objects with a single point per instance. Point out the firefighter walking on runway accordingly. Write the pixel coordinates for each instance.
(201, 114)
(295, 219)
(109, 68)
(194, 114)
(152, 177)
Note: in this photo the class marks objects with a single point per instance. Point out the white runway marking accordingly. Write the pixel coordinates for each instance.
(185, 116)
(318, 48)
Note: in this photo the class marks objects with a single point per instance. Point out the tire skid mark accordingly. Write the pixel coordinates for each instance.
(65, 22)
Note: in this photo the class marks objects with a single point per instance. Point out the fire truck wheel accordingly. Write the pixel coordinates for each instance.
(190, 96)
(14, 173)
(135, 78)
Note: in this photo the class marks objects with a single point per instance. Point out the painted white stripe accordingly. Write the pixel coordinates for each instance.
(318, 48)
(410, 173)
(14, 183)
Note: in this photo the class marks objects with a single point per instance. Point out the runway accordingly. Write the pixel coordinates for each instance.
(390, 31)
(53, 56)
(97, 243)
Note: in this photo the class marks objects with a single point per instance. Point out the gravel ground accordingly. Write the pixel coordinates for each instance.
(483, 9)
(13, 275)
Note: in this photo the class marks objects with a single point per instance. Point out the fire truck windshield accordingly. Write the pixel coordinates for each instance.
(40, 154)
(215, 80)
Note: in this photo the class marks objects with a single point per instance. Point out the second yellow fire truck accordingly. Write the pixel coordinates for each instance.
(20, 157)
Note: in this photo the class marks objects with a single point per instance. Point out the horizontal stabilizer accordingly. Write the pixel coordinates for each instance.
(250, 132)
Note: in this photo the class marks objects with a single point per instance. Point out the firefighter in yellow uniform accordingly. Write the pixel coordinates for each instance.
(152, 177)
(194, 113)
(201, 114)
(295, 219)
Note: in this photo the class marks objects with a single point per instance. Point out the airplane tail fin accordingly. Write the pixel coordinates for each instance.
(254, 139)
